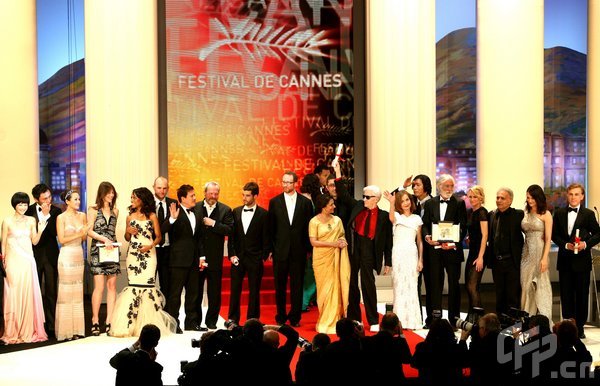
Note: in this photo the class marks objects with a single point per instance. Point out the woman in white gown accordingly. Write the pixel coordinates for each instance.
(141, 303)
(407, 258)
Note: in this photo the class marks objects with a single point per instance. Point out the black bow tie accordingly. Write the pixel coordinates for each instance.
(190, 211)
(572, 210)
(249, 210)
(39, 208)
(444, 201)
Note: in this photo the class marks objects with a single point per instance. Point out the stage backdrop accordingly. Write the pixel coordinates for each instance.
(255, 88)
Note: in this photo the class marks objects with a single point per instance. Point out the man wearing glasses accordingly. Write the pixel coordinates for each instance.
(369, 234)
(289, 214)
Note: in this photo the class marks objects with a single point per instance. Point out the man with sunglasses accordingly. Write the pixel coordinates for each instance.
(369, 235)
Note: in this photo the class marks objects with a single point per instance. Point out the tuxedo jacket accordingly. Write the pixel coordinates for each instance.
(289, 240)
(456, 212)
(383, 234)
(589, 231)
(186, 246)
(213, 238)
(48, 245)
(255, 243)
(511, 219)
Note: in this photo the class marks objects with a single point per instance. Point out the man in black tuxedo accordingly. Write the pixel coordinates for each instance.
(248, 247)
(445, 255)
(161, 188)
(343, 203)
(505, 243)
(136, 365)
(289, 215)
(184, 228)
(574, 256)
(46, 250)
(217, 222)
(369, 234)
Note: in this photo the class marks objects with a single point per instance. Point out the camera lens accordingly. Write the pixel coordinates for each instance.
(463, 325)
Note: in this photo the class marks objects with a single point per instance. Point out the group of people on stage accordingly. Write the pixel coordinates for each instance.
(321, 239)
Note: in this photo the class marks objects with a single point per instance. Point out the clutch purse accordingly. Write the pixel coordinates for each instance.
(106, 256)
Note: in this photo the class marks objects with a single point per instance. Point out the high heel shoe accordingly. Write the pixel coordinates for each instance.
(95, 329)
(107, 330)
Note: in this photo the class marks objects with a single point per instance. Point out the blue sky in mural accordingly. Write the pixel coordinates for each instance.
(566, 24)
(563, 21)
(53, 34)
(452, 15)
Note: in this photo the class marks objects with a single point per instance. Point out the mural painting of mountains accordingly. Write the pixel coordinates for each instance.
(60, 96)
(565, 82)
(456, 74)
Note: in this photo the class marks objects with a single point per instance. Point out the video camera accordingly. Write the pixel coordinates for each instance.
(304, 344)
(513, 317)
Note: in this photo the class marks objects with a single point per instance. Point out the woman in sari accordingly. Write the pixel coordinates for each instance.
(330, 264)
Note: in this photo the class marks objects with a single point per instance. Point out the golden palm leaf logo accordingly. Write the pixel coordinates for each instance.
(259, 41)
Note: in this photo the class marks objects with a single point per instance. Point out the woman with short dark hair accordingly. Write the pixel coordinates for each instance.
(23, 308)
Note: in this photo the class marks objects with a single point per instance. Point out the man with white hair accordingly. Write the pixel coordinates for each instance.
(445, 254)
(369, 234)
(505, 241)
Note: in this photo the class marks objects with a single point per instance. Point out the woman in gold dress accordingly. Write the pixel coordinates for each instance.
(330, 263)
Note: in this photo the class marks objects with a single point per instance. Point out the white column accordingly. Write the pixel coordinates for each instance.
(19, 116)
(121, 97)
(510, 96)
(400, 90)
(593, 104)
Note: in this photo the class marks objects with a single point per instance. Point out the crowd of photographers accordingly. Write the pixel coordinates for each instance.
(514, 349)
(489, 352)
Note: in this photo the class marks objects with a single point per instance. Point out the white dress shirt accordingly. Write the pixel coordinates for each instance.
(571, 216)
(290, 204)
(209, 209)
(190, 216)
(247, 216)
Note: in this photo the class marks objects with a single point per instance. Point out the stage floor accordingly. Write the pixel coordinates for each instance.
(85, 361)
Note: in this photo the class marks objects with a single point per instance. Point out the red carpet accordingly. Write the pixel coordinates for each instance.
(309, 319)
(307, 330)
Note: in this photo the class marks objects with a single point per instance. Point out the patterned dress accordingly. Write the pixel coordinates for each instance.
(536, 290)
(140, 302)
(104, 228)
(69, 305)
(405, 257)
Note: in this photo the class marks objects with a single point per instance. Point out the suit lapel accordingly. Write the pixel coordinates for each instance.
(436, 209)
(252, 221)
